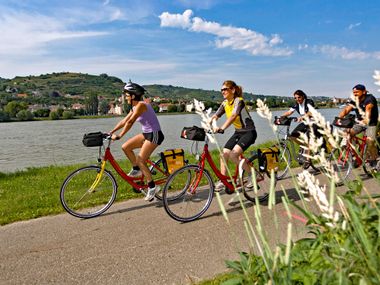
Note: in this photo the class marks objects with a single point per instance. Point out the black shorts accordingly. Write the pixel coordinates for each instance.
(154, 137)
(242, 139)
(303, 128)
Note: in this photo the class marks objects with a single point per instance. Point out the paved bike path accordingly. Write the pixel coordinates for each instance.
(135, 242)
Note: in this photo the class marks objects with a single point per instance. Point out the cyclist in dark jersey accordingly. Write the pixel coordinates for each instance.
(245, 132)
(150, 138)
(367, 113)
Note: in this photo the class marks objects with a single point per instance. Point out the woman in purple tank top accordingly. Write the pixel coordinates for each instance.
(150, 138)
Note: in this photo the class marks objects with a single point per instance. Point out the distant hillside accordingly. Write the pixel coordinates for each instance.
(65, 87)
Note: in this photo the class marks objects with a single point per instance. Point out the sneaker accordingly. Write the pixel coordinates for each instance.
(219, 186)
(135, 173)
(151, 192)
(249, 184)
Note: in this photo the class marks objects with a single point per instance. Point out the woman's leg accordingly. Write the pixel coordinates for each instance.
(145, 152)
(131, 144)
(223, 160)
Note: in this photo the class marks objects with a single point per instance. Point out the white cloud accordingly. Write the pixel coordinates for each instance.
(342, 52)
(24, 33)
(228, 36)
(351, 26)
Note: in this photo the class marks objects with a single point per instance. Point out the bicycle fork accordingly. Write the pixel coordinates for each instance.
(98, 177)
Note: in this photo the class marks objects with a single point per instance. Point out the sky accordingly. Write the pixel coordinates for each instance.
(271, 47)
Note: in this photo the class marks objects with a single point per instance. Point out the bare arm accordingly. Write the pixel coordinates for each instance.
(288, 113)
(130, 120)
(121, 123)
(228, 122)
(345, 111)
(368, 110)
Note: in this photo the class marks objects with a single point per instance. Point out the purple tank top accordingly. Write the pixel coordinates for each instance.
(148, 120)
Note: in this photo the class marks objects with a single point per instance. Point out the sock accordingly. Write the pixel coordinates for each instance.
(151, 184)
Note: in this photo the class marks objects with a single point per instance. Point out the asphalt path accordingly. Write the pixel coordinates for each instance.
(136, 242)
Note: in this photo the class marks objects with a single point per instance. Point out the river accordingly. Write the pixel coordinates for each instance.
(43, 143)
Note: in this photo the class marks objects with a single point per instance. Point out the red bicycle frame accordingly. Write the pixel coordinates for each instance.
(357, 154)
(135, 182)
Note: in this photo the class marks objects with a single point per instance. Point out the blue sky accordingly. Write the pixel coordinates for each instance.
(267, 46)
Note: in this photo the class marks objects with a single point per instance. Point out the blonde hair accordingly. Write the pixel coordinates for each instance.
(238, 89)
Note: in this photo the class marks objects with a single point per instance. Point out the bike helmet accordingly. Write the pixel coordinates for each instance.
(134, 89)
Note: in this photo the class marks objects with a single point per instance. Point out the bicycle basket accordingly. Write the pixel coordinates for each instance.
(268, 158)
(282, 121)
(93, 139)
(172, 159)
(347, 122)
(193, 133)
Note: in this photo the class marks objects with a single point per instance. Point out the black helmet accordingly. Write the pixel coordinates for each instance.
(134, 89)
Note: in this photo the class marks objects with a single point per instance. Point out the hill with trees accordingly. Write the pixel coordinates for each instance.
(39, 95)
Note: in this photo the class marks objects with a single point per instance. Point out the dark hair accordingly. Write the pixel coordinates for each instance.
(232, 84)
(300, 93)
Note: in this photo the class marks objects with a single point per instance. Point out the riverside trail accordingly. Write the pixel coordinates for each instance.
(136, 242)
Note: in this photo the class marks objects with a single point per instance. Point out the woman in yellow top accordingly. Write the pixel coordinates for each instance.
(245, 132)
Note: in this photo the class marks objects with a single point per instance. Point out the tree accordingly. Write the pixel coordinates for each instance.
(54, 115)
(4, 116)
(92, 104)
(13, 107)
(25, 115)
(67, 115)
(42, 113)
(172, 108)
(103, 107)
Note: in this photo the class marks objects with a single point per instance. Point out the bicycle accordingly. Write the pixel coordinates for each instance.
(287, 148)
(91, 190)
(351, 154)
(188, 203)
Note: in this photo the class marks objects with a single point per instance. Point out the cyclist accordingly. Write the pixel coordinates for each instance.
(245, 132)
(150, 138)
(302, 108)
(367, 113)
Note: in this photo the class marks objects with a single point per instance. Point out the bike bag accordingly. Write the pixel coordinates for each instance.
(193, 133)
(347, 122)
(268, 158)
(93, 139)
(173, 159)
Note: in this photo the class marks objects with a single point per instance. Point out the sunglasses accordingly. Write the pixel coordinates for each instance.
(224, 89)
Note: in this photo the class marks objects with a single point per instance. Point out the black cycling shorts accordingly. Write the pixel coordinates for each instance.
(303, 128)
(154, 137)
(242, 139)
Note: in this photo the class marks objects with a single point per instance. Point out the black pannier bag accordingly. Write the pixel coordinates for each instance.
(347, 122)
(282, 121)
(93, 139)
(193, 133)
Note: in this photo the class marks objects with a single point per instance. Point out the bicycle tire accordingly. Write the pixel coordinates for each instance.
(284, 160)
(262, 182)
(183, 202)
(341, 163)
(79, 200)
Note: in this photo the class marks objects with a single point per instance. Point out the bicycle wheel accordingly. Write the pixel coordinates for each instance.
(284, 160)
(188, 193)
(262, 182)
(83, 196)
(341, 163)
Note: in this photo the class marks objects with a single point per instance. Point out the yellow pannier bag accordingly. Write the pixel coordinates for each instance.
(268, 158)
(173, 159)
